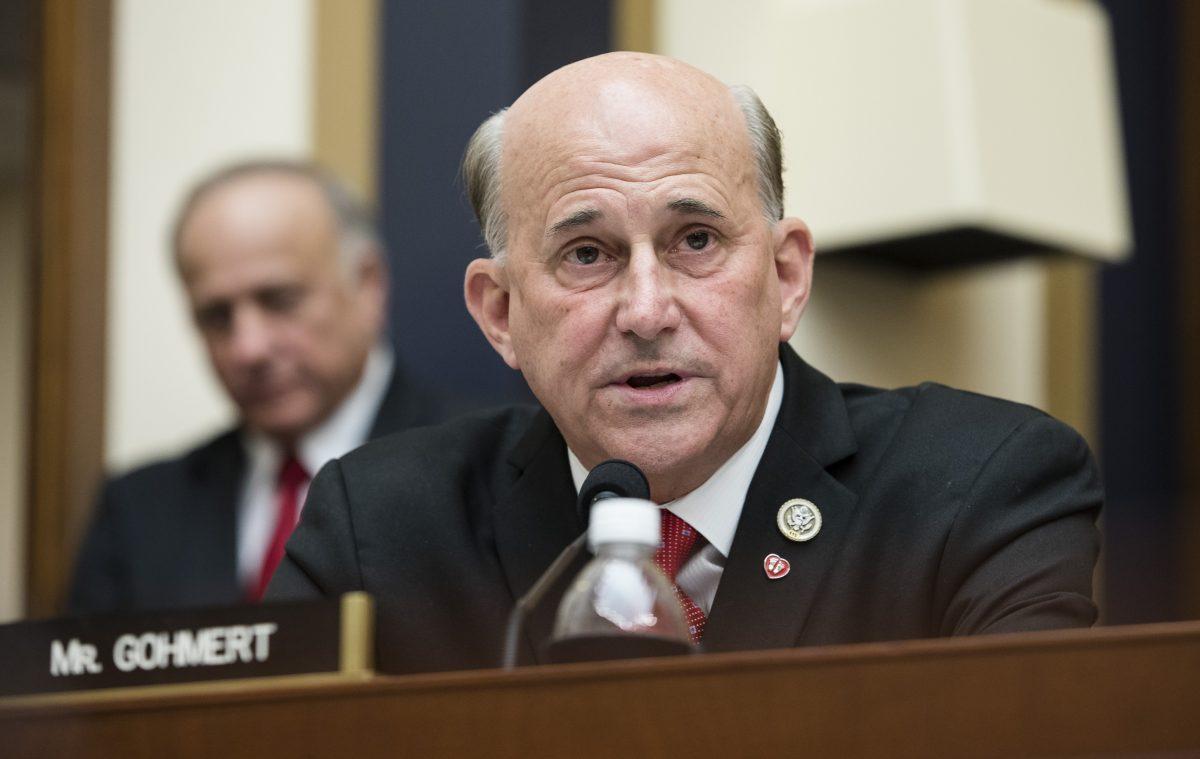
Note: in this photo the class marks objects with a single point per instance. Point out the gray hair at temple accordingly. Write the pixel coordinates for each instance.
(481, 167)
(357, 235)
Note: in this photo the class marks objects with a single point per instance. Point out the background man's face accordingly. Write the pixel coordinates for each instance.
(644, 305)
(287, 327)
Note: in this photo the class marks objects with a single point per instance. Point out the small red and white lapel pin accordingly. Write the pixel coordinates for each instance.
(776, 566)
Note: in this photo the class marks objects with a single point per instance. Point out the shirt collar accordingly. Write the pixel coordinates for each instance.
(715, 507)
(345, 429)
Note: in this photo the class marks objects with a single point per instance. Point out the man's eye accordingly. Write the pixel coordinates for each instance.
(585, 254)
(281, 299)
(698, 240)
(213, 318)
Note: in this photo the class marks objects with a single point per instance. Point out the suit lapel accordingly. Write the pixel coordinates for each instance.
(813, 431)
(536, 520)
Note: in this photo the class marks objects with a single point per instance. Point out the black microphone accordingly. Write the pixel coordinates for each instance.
(615, 478)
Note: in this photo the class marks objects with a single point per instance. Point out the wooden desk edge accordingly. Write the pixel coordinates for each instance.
(294, 687)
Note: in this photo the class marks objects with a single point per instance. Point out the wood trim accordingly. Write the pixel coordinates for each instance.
(208, 689)
(346, 91)
(1116, 692)
(1072, 363)
(1189, 307)
(634, 25)
(70, 239)
(1070, 300)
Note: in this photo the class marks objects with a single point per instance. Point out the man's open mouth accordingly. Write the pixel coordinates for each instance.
(641, 381)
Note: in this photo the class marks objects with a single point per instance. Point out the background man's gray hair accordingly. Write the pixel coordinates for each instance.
(357, 235)
(481, 167)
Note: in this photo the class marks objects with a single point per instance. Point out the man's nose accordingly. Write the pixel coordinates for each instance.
(250, 336)
(647, 305)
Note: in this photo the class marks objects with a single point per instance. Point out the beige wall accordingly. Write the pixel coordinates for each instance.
(195, 83)
(981, 328)
(15, 324)
(14, 392)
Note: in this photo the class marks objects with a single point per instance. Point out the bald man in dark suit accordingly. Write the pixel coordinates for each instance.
(645, 281)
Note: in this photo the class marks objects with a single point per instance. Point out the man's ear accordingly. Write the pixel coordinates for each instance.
(794, 266)
(486, 290)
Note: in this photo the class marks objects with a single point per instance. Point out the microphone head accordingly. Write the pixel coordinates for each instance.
(614, 478)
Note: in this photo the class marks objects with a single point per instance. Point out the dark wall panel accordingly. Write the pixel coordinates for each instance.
(445, 67)
(1139, 389)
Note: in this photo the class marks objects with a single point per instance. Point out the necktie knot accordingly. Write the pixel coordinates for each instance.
(678, 541)
(292, 473)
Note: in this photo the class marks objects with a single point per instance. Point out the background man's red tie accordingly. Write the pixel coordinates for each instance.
(678, 541)
(291, 480)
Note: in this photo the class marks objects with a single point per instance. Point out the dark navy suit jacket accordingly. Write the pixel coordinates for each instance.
(944, 513)
(164, 536)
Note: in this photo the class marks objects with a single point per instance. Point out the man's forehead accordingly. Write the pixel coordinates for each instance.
(633, 117)
(585, 78)
(258, 195)
(269, 210)
(620, 95)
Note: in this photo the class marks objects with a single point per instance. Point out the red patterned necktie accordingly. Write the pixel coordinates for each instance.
(292, 478)
(678, 540)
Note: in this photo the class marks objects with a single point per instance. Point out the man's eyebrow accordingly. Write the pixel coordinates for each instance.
(693, 206)
(577, 219)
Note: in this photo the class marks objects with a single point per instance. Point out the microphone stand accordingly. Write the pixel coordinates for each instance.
(614, 478)
(516, 617)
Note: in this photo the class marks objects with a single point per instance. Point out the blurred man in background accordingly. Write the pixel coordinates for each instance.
(287, 285)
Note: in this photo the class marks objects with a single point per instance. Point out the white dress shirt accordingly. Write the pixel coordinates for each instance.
(345, 429)
(714, 508)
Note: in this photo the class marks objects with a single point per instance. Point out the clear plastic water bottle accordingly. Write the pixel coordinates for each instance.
(621, 605)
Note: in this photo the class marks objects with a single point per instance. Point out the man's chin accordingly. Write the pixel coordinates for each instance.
(286, 426)
(664, 460)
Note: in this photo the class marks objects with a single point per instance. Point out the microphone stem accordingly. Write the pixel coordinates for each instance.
(527, 602)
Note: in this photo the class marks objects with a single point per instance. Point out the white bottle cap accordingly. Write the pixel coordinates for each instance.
(623, 520)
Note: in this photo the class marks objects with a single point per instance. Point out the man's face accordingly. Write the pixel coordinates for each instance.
(287, 327)
(645, 305)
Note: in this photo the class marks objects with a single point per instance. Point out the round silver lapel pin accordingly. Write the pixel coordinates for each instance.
(799, 520)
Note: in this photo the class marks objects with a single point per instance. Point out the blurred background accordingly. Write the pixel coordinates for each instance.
(1005, 195)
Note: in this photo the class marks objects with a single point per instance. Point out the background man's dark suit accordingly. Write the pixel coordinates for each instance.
(944, 513)
(164, 535)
